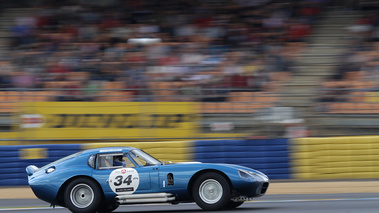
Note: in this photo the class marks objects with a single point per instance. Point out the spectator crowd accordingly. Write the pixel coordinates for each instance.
(357, 72)
(198, 48)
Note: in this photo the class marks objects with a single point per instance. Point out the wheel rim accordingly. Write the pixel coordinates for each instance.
(82, 195)
(210, 191)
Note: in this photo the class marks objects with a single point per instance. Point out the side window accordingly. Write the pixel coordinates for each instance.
(113, 160)
(91, 161)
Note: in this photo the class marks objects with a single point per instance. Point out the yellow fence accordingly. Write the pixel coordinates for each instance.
(336, 157)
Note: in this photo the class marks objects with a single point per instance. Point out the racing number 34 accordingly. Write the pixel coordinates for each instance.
(119, 181)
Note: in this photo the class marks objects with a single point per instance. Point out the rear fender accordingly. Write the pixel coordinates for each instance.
(60, 195)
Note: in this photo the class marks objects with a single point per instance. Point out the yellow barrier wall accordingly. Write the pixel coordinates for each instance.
(8, 138)
(335, 157)
(33, 153)
(107, 120)
(175, 151)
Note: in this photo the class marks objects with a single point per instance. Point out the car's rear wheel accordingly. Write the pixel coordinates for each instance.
(211, 191)
(82, 195)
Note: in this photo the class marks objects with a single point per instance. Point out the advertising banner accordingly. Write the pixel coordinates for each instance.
(107, 120)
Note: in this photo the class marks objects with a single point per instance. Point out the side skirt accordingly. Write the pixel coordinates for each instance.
(145, 198)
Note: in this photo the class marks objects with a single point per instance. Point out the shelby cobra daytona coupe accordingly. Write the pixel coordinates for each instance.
(101, 179)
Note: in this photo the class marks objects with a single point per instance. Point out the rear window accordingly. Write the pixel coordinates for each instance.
(60, 160)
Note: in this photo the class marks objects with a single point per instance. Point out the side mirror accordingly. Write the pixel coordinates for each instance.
(166, 162)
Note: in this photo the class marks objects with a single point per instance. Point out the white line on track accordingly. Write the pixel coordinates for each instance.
(313, 200)
(254, 201)
(28, 208)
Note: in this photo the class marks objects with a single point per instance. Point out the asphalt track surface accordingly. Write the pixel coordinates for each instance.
(349, 202)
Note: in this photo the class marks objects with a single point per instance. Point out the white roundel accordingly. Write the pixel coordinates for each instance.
(124, 181)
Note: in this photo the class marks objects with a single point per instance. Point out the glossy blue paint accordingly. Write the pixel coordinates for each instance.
(152, 178)
(46, 186)
(13, 163)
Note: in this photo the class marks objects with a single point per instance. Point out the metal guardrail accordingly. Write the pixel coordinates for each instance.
(138, 94)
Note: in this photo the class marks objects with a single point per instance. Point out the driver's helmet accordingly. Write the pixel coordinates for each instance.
(118, 160)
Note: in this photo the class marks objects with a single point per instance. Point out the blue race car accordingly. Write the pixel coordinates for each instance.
(102, 179)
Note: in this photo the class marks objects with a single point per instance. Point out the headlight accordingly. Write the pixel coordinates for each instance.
(50, 169)
(252, 176)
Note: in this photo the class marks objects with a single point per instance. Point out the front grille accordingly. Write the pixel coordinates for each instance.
(264, 188)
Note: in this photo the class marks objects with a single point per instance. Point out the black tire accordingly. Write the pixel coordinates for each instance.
(108, 207)
(211, 191)
(233, 205)
(82, 195)
(113, 207)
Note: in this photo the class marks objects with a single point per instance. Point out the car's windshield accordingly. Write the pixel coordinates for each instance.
(142, 158)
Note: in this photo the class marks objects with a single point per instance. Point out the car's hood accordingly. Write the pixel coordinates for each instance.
(212, 165)
(238, 167)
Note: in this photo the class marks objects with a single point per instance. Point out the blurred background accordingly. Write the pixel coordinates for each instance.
(260, 67)
(81, 71)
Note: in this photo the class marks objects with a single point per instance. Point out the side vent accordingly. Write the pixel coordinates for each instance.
(170, 179)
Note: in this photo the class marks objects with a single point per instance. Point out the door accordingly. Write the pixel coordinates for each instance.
(121, 175)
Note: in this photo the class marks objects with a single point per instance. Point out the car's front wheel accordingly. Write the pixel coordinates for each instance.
(82, 195)
(108, 207)
(211, 191)
(233, 205)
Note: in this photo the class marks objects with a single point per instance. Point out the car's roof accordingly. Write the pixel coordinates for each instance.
(108, 149)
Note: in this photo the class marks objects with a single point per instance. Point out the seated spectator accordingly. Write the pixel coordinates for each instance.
(79, 37)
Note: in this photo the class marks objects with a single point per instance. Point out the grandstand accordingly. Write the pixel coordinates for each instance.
(260, 67)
